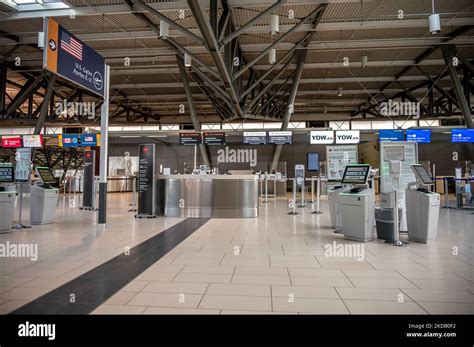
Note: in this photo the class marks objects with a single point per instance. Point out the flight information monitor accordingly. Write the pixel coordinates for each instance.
(6, 174)
(46, 175)
(356, 174)
(313, 161)
(422, 174)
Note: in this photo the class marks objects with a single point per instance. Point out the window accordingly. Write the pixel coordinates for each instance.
(340, 125)
(362, 125)
(382, 124)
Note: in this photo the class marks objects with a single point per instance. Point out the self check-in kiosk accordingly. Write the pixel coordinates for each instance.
(357, 205)
(335, 206)
(422, 207)
(44, 197)
(7, 197)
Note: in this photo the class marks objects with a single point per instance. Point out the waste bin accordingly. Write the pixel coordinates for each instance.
(384, 222)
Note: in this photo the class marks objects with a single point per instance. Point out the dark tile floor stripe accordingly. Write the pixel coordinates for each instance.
(96, 286)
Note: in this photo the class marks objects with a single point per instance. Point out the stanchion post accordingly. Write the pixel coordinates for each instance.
(396, 229)
(266, 189)
(134, 195)
(293, 209)
(318, 196)
(20, 226)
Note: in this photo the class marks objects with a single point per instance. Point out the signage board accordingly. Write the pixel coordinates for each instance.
(321, 137)
(88, 185)
(214, 138)
(146, 180)
(337, 159)
(462, 135)
(23, 164)
(32, 141)
(347, 136)
(280, 137)
(391, 135)
(68, 140)
(88, 140)
(419, 135)
(67, 56)
(407, 153)
(190, 139)
(255, 137)
(11, 141)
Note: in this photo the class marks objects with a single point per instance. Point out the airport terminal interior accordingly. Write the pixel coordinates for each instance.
(237, 157)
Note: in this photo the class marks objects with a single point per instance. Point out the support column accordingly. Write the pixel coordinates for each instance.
(289, 109)
(448, 54)
(192, 108)
(3, 87)
(104, 149)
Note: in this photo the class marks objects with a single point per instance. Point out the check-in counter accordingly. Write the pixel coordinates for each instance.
(119, 184)
(206, 196)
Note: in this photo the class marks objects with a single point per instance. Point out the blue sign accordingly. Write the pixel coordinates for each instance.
(88, 140)
(462, 135)
(68, 140)
(391, 135)
(419, 135)
(69, 57)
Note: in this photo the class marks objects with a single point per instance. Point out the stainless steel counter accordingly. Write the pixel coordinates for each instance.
(206, 196)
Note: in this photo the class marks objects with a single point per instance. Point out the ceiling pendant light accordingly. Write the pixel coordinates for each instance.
(434, 21)
(274, 24)
(272, 56)
(164, 29)
(187, 60)
(364, 60)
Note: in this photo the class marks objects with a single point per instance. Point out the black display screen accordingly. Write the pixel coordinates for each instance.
(7, 174)
(422, 174)
(313, 161)
(356, 174)
(46, 175)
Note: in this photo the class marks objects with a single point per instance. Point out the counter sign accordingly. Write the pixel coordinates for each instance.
(67, 56)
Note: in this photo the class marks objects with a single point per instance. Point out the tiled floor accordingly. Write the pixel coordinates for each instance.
(273, 264)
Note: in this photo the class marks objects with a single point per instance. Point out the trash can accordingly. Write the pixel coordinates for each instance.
(384, 222)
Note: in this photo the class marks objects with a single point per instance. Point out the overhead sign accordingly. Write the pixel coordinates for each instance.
(214, 138)
(321, 137)
(190, 139)
(280, 137)
(462, 135)
(255, 137)
(347, 136)
(419, 135)
(32, 141)
(67, 56)
(11, 141)
(68, 140)
(88, 140)
(391, 135)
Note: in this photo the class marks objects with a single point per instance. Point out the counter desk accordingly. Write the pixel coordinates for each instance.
(206, 196)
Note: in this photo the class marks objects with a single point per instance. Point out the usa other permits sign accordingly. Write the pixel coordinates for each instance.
(67, 56)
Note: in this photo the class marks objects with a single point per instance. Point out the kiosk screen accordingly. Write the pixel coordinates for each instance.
(6, 174)
(356, 174)
(422, 174)
(46, 175)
